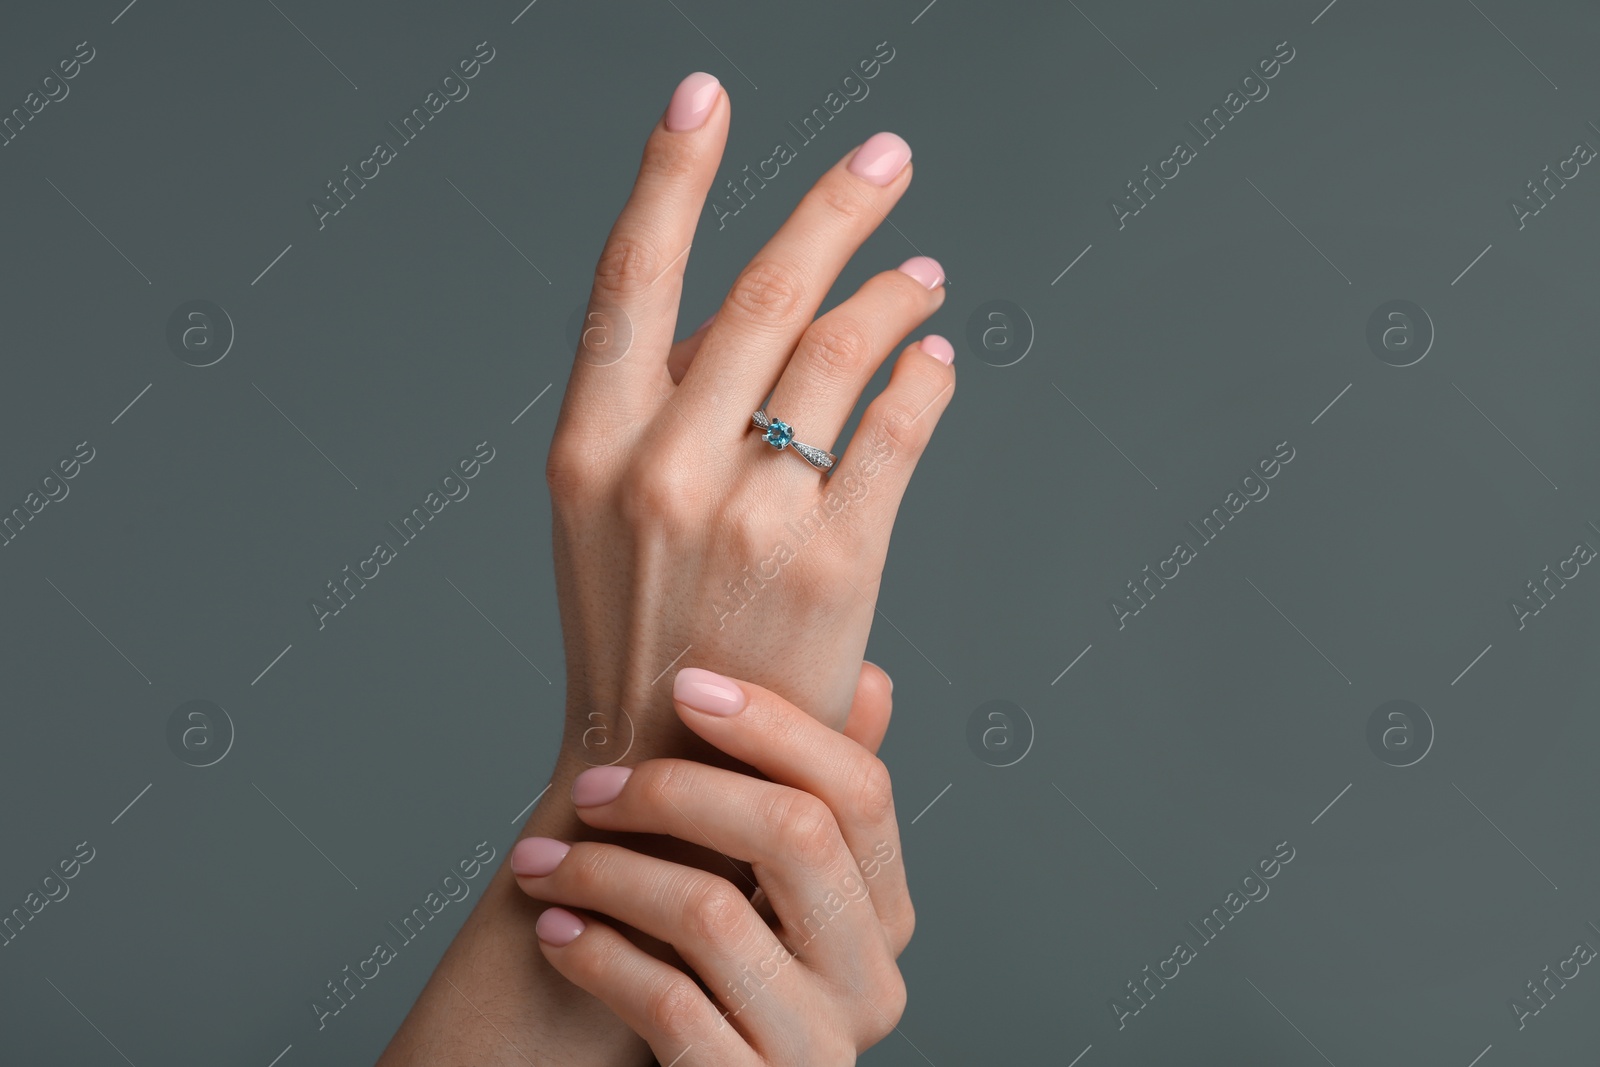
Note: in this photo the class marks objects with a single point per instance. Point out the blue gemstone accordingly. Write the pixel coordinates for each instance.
(778, 434)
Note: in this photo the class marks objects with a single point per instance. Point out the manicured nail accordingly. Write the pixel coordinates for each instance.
(938, 348)
(885, 676)
(707, 692)
(537, 856)
(706, 323)
(558, 926)
(925, 270)
(599, 785)
(692, 101)
(882, 157)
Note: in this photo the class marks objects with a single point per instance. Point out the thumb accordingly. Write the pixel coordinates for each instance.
(869, 711)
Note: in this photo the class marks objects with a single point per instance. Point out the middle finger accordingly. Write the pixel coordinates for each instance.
(777, 294)
(842, 350)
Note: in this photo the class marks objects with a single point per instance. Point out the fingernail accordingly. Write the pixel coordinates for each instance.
(558, 926)
(882, 157)
(692, 101)
(886, 676)
(938, 348)
(706, 323)
(537, 856)
(707, 692)
(599, 785)
(924, 269)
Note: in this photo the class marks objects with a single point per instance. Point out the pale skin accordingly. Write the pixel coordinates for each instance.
(683, 541)
(813, 984)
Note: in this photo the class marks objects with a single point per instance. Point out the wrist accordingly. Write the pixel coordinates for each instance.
(600, 730)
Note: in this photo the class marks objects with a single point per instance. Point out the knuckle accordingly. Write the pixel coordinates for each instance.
(785, 723)
(585, 867)
(837, 348)
(898, 429)
(674, 1008)
(627, 265)
(871, 790)
(842, 201)
(595, 962)
(715, 911)
(890, 999)
(656, 783)
(805, 827)
(834, 1046)
(656, 491)
(670, 159)
(815, 576)
(768, 289)
(569, 468)
(753, 562)
(903, 927)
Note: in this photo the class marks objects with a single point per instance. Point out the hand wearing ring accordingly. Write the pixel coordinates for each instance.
(780, 435)
(676, 540)
(671, 535)
(678, 544)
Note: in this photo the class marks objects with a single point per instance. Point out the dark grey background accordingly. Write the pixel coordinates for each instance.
(1222, 720)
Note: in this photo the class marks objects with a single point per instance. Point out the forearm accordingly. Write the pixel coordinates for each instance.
(682, 541)
(493, 999)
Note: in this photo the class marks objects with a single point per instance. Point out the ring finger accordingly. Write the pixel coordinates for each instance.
(774, 298)
(842, 350)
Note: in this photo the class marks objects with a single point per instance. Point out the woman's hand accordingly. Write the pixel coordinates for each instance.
(814, 985)
(680, 536)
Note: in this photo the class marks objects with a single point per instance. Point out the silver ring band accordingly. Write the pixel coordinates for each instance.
(780, 435)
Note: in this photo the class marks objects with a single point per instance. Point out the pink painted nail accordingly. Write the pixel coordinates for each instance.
(692, 101)
(938, 348)
(925, 270)
(599, 785)
(707, 692)
(886, 676)
(538, 856)
(882, 157)
(558, 926)
(709, 319)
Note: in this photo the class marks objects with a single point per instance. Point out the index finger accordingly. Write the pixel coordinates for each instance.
(639, 276)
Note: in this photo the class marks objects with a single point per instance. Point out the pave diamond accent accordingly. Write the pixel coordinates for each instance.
(814, 456)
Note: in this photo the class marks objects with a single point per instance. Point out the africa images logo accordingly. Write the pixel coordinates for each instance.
(853, 88)
(453, 88)
(1254, 88)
